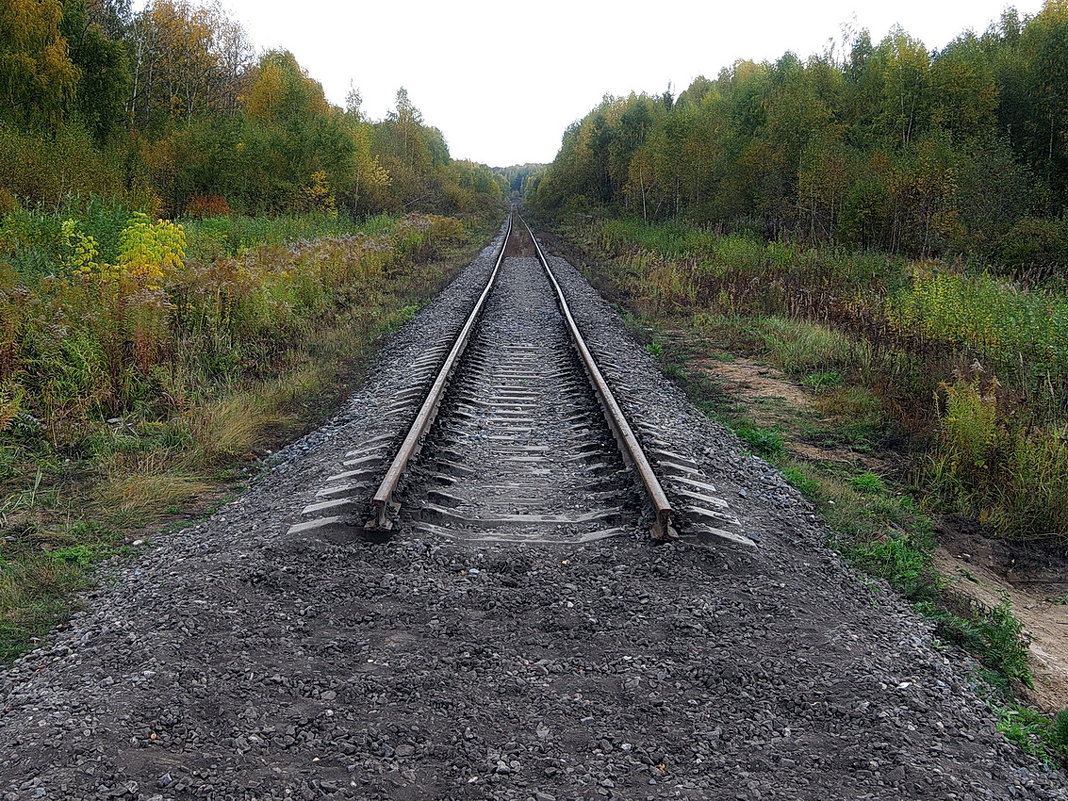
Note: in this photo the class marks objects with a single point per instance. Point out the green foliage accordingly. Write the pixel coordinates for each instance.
(799, 348)
(991, 316)
(893, 336)
(900, 560)
(148, 333)
(1015, 478)
(167, 107)
(37, 77)
(993, 635)
(820, 381)
(868, 482)
(215, 237)
(1027, 728)
(799, 477)
(764, 441)
(48, 169)
(81, 555)
(1059, 735)
(104, 80)
(898, 147)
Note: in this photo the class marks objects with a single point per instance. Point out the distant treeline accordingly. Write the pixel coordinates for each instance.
(887, 145)
(518, 175)
(171, 108)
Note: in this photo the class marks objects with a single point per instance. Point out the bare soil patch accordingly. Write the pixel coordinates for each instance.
(1034, 581)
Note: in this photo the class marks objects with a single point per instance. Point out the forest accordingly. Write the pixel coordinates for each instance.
(857, 262)
(171, 109)
(961, 150)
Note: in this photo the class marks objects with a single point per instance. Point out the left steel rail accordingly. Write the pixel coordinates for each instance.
(382, 504)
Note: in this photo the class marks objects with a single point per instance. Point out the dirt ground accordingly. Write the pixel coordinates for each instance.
(985, 570)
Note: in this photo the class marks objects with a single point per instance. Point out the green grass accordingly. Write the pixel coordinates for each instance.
(875, 327)
(993, 635)
(1042, 736)
(217, 237)
(798, 477)
(40, 566)
(868, 483)
(763, 441)
(822, 380)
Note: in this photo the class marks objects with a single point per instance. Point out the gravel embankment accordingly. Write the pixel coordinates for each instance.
(235, 661)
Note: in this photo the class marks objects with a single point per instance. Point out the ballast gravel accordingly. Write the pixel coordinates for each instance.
(233, 660)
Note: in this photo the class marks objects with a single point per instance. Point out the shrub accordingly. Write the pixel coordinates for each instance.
(203, 206)
(1031, 490)
(1059, 733)
(968, 435)
(148, 334)
(994, 635)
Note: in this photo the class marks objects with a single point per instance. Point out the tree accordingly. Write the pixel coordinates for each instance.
(186, 60)
(37, 76)
(103, 66)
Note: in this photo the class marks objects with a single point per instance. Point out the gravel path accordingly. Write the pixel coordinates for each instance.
(236, 661)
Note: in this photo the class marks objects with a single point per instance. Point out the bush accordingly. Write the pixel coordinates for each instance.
(1031, 494)
(1012, 477)
(1035, 242)
(45, 169)
(202, 206)
(148, 334)
(994, 635)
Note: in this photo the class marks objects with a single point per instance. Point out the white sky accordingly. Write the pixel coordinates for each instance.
(503, 79)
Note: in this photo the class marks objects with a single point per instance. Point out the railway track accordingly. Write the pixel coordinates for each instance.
(513, 433)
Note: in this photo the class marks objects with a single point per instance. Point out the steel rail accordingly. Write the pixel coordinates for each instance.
(382, 502)
(629, 446)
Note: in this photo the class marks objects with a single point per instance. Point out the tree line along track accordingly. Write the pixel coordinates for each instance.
(513, 434)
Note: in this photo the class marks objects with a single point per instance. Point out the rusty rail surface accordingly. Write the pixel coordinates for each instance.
(628, 444)
(382, 503)
(383, 506)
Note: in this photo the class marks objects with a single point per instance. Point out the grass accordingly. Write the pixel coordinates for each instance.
(76, 487)
(822, 380)
(763, 441)
(868, 483)
(219, 237)
(1035, 733)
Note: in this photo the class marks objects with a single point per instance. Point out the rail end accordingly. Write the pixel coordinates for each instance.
(662, 529)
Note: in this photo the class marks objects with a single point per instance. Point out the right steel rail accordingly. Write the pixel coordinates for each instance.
(617, 421)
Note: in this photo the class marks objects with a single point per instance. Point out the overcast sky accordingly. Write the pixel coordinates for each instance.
(503, 79)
